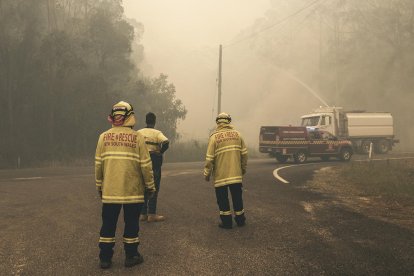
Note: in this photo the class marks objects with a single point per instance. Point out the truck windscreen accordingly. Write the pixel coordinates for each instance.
(310, 121)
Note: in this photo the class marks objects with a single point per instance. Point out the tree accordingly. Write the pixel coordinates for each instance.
(63, 64)
(158, 96)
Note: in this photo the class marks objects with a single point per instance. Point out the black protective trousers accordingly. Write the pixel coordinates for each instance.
(110, 213)
(236, 191)
(150, 205)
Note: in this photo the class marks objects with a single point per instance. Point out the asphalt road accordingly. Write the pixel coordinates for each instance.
(50, 220)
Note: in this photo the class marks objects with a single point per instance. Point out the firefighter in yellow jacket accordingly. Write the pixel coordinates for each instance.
(226, 160)
(157, 144)
(123, 173)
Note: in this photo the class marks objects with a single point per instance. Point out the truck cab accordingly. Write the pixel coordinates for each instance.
(299, 143)
(323, 121)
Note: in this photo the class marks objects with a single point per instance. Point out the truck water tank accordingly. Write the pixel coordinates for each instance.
(370, 124)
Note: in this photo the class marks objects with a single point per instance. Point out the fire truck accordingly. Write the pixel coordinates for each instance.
(299, 143)
(360, 127)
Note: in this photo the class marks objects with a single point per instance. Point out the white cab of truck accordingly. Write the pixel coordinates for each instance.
(362, 128)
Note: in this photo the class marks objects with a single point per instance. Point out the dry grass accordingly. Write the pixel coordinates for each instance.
(379, 189)
(391, 178)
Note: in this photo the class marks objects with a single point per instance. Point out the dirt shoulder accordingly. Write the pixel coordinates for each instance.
(382, 190)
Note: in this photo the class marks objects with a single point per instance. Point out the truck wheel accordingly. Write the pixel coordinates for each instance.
(325, 158)
(282, 158)
(365, 147)
(300, 157)
(382, 146)
(345, 155)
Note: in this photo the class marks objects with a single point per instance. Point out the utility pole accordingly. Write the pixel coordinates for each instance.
(320, 52)
(336, 41)
(219, 81)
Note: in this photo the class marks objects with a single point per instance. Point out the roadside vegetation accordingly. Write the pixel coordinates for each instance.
(380, 189)
(187, 151)
(391, 178)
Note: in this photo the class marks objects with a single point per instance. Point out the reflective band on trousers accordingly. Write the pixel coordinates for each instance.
(225, 213)
(107, 240)
(131, 240)
(238, 213)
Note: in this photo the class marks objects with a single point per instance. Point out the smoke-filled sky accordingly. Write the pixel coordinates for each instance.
(271, 78)
(193, 24)
(181, 40)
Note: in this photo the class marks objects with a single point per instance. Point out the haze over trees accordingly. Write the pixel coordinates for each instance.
(355, 54)
(63, 64)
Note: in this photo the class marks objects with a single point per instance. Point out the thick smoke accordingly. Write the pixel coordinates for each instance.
(346, 52)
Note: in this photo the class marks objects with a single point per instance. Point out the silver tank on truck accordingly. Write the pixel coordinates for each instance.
(362, 128)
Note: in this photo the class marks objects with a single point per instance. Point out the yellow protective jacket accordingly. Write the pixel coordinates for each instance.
(153, 138)
(226, 156)
(123, 168)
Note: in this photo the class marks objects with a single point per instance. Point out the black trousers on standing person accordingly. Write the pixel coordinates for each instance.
(150, 205)
(110, 213)
(236, 191)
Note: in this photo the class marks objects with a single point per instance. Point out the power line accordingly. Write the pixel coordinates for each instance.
(295, 29)
(285, 31)
(273, 25)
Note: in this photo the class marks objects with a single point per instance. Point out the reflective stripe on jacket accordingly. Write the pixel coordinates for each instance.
(123, 168)
(226, 156)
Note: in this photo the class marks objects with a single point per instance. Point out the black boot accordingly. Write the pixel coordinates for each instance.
(105, 264)
(241, 224)
(134, 260)
(225, 226)
(240, 220)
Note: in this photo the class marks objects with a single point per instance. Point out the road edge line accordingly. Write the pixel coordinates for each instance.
(383, 159)
(281, 179)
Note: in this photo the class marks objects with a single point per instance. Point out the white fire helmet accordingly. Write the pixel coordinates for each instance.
(223, 118)
(122, 114)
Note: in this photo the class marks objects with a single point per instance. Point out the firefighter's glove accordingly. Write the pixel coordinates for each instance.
(207, 178)
(149, 193)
